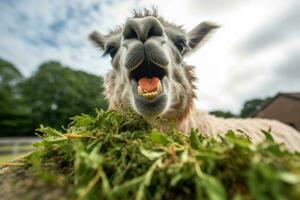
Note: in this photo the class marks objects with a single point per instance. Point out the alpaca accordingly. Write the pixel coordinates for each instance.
(150, 77)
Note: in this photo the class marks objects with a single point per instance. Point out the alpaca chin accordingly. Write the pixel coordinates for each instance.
(150, 108)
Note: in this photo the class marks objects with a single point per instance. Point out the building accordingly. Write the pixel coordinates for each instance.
(284, 107)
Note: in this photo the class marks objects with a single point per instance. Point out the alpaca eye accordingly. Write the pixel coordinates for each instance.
(111, 51)
(180, 45)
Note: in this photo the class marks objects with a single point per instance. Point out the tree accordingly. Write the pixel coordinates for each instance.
(57, 93)
(224, 114)
(14, 112)
(252, 106)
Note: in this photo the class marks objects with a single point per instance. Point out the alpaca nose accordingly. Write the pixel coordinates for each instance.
(142, 28)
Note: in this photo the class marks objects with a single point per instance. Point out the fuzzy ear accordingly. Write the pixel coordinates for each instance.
(98, 39)
(199, 33)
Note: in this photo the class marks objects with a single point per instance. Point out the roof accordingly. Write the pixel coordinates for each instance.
(292, 95)
(295, 95)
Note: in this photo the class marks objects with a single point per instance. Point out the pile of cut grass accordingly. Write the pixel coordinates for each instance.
(113, 156)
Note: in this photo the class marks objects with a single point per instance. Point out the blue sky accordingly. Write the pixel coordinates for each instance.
(256, 52)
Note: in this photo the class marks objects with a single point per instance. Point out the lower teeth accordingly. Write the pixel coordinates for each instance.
(150, 95)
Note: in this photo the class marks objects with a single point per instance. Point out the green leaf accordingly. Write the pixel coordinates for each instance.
(151, 155)
(194, 140)
(184, 156)
(158, 137)
(289, 177)
(239, 141)
(214, 188)
(83, 120)
(268, 135)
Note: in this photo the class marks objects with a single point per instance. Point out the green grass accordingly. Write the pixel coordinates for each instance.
(10, 157)
(113, 156)
(20, 148)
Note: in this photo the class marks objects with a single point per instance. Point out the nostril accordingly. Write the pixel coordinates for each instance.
(142, 29)
(130, 33)
(155, 31)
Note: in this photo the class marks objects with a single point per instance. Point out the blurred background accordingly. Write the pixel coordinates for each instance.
(49, 71)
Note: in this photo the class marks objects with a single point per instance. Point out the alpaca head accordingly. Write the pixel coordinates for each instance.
(149, 75)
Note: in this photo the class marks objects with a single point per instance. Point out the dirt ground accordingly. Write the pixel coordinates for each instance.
(17, 183)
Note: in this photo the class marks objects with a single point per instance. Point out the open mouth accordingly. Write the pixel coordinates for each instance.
(148, 77)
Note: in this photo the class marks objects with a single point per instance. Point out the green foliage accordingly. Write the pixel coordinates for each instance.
(252, 106)
(13, 110)
(57, 93)
(249, 108)
(50, 96)
(224, 114)
(8, 74)
(114, 156)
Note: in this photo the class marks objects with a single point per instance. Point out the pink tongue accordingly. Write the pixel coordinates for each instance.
(149, 84)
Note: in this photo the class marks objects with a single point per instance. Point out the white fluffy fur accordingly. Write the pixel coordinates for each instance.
(252, 127)
(182, 80)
